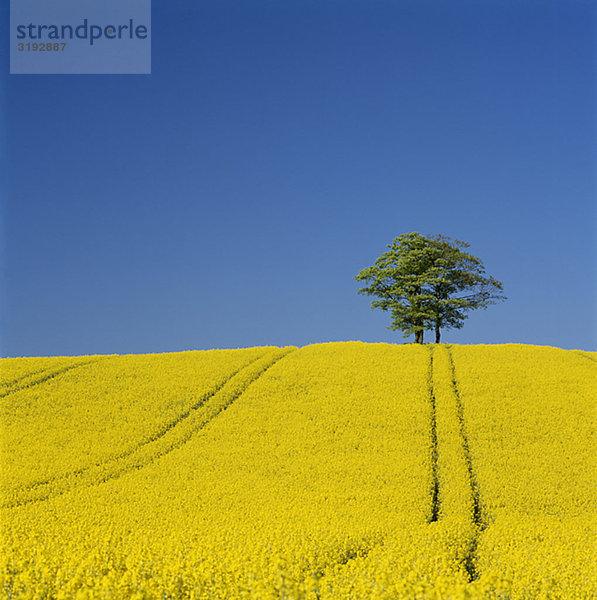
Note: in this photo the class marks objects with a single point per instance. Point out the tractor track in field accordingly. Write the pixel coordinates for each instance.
(16, 380)
(477, 510)
(159, 452)
(587, 356)
(479, 519)
(156, 435)
(46, 377)
(435, 500)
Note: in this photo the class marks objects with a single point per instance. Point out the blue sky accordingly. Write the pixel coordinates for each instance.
(229, 198)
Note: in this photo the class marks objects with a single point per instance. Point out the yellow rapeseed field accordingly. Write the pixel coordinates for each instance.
(334, 471)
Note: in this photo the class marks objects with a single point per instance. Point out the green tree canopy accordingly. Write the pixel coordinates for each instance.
(428, 282)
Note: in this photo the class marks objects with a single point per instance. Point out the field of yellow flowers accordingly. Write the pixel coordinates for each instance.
(330, 472)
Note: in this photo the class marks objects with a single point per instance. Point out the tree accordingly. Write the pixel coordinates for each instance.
(428, 282)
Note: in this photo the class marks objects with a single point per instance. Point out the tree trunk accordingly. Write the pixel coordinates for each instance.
(437, 333)
(419, 337)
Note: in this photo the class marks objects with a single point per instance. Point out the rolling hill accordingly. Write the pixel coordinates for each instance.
(333, 471)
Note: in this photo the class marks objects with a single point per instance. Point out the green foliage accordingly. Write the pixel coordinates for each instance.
(428, 282)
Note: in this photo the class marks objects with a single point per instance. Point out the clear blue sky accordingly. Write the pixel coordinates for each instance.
(229, 198)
